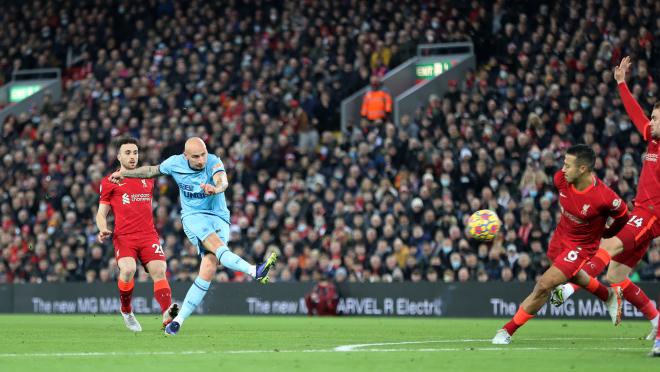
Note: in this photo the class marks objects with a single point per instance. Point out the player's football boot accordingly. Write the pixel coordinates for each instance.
(557, 295)
(654, 332)
(502, 337)
(170, 314)
(131, 322)
(655, 351)
(263, 268)
(614, 304)
(172, 328)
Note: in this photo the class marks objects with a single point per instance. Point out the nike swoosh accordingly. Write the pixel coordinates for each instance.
(120, 184)
(562, 195)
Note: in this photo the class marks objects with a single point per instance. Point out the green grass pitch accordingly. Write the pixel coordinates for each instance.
(232, 343)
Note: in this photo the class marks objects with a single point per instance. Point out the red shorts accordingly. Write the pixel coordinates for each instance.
(636, 236)
(145, 248)
(569, 257)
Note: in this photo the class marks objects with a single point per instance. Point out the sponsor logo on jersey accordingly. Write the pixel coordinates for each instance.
(571, 217)
(651, 157)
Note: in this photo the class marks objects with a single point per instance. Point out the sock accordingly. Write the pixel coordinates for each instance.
(232, 261)
(598, 289)
(517, 321)
(126, 294)
(594, 267)
(163, 294)
(193, 298)
(638, 298)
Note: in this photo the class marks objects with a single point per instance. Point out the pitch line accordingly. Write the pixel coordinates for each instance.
(356, 348)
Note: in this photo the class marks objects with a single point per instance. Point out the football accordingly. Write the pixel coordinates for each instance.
(483, 225)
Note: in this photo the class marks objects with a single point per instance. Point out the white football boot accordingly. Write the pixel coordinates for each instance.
(614, 304)
(502, 337)
(131, 322)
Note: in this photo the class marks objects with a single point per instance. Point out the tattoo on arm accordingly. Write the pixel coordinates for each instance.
(147, 171)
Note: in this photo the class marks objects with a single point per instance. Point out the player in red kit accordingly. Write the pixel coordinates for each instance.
(134, 235)
(586, 203)
(629, 246)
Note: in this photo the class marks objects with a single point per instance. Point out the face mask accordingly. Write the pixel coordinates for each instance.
(503, 74)
(533, 193)
(435, 24)
(493, 184)
(455, 265)
(446, 249)
(448, 278)
(535, 155)
(548, 195)
(444, 182)
(584, 105)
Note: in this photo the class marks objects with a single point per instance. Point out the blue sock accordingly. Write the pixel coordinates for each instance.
(193, 298)
(232, 261)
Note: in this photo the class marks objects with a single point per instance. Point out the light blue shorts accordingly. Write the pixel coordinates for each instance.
(199, 226)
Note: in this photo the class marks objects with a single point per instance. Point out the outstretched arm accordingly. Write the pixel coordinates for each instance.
(632, 107)
(147, 171)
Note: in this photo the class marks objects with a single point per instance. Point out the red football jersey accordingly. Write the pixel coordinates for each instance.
(131, 204)
(584, 213)
(648, 190)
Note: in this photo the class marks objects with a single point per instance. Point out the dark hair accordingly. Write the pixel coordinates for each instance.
(125, 141)
(656, 105)
(584, 155)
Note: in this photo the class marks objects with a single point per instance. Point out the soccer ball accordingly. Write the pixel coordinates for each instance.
(483, 225)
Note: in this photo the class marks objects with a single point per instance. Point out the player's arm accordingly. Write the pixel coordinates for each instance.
(221, 184)
(146, 171)
(619, 216)
(632, 107)
(102, 222)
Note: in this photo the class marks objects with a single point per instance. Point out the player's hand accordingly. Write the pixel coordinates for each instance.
(209, 189)
(116, 177)
(102, 235)
(621, 69)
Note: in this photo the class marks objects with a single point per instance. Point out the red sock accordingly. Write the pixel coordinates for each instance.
(517, 321)
(595, 266)
(638, 298)
(125, 294)
(598, 289)
(163, 294)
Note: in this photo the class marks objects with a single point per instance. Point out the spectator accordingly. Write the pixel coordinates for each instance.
(377, 103)
(323, 298)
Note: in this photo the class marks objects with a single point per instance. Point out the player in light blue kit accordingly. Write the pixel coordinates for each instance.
(205, 218)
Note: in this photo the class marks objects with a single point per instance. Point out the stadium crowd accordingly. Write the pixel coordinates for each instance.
(261, 82)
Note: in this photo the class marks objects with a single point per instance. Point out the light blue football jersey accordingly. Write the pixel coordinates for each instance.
(193, 198)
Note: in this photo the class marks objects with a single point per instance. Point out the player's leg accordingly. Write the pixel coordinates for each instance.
(126, 255)
(655, 350)
(617, 275)
(216, 240)
(593, 268)
(153, 258)
(162, 291)
(196, 293)
(550, 279)
(635, 239)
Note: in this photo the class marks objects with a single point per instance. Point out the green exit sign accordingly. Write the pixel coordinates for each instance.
(430, 70)
(17, 93)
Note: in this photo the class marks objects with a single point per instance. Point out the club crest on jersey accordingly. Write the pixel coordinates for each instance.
(125, 199)
(144, 183)
(585, 209)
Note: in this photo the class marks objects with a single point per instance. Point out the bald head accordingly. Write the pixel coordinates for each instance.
(194, 144)
(195, 152)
